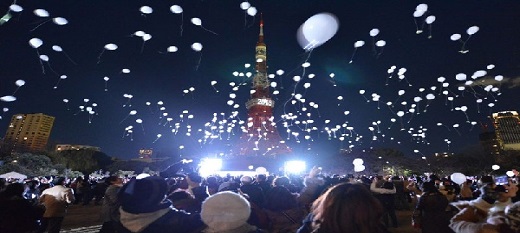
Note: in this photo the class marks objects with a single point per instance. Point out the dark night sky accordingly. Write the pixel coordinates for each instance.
(157, 75)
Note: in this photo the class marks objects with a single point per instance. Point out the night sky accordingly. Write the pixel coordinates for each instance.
(194, 85)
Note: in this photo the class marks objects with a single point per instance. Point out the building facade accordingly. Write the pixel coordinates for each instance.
(507, 129)
(29, 132)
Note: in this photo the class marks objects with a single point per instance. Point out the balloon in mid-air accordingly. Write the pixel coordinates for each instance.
(317, 30)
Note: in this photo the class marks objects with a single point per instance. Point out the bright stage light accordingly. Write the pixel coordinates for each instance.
(209, 166)
(295, 167)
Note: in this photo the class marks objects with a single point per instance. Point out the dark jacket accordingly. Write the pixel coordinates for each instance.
(168, 220)
(432, 208)
(19, 215)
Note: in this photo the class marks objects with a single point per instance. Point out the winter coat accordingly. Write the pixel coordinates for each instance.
(111, 204)
(18, 215)
(285, 221)
(168, 220)
(56, 200)
(432, 208)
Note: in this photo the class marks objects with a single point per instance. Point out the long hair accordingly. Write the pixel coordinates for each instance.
(349, 208)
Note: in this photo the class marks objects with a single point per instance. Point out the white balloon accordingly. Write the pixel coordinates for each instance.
(359, 43)
(317, 30)
(65, 100)
(401, 92)
(41, 13)
(490, 67)
(60, 21)
(359, 168)
(430, 96)
(458, 178)
(418, 14)
(196, 46)
(15, 8)
(499, 78)
(44, 57)
(252, 11)
(172, 49)
(106, 78)
(196, 21)
(357, 161)
(245, 5)
(57, 48)
(422, 7)
(20, 82)
(400, 113)
(126, 71)
(176, 9)
(133, 112)
(111, 47)
(362, 92)
(146, 10)
(380, 43)
(8, 98)
(139, 121)
(147, 37)
(374, 32)
(139, 33)
(63, 77)
(455, 37)
(460, 77)
(472, 30)
(430, 19)
(35, 42)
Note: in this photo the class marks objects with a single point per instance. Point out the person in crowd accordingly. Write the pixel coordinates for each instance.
(283, 210)
(430, 214)
(465, 191)
(386, 196)
(56, 201)
(86, 190)
(345, 208)
(261, 181)
(401, 201)
(111, 204)
(98, 191)
(183, 200)
(145, 210)
(31, 191)
(17, 214)
(254, 192)
(227, 212)
(77, 187)
(212, 184)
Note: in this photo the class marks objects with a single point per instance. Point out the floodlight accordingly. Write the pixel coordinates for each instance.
(209, 166)
(295, 167)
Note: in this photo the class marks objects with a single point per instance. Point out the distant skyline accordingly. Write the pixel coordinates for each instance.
(171, 86)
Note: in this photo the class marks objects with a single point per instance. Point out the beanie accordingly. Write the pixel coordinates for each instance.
(142, 195)
(225, 211)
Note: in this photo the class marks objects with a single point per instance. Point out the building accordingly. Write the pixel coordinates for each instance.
(65, 147)
(507, 129)
(260, 136)
(29, 132)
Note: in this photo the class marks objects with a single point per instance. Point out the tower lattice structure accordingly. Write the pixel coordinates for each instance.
(260, 136)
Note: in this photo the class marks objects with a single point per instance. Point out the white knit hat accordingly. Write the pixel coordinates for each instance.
(225, 211)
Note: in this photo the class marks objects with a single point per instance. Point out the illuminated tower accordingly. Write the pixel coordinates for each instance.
(260, 136)
(29, 132)
(507, 129)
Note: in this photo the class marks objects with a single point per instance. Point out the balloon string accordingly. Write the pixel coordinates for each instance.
(198, 63)
(40, 60)
(50, 67)
(57, 83)
(40, 25)
(70, 59)
(352, 57)
(182, 23)
(208, 30)
(99, 57)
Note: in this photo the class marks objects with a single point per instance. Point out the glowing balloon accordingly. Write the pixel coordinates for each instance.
(460, 77)
(499, 78)
(147, 37)
(133, 112)
(20, 82)
(139, 33)
(380, 43)
(176, 9)
(8, 98)
(359, 43)
(252, 11)
(35, 42)
(172, 49)
(196, 46)
(359, 168)
(374, 32)
(430, 19)
(60, 21)
(139, 121)
(418, 14)
(15, 8)
(317, 30)
(400, 113)
(57, 48)
(472, 30)
(196, 21)
(458, 178)
(495, 167)
(422, 7)
(111, 47)
(44, 57)
(41, 13)
(146, 10)
(455, 37)
(245, 5)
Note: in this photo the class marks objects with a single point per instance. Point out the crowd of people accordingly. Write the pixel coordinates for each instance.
(177, 200)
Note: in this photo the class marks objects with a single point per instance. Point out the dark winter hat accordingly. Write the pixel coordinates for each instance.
(143, 195)
(58, 181)
(488, 193)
